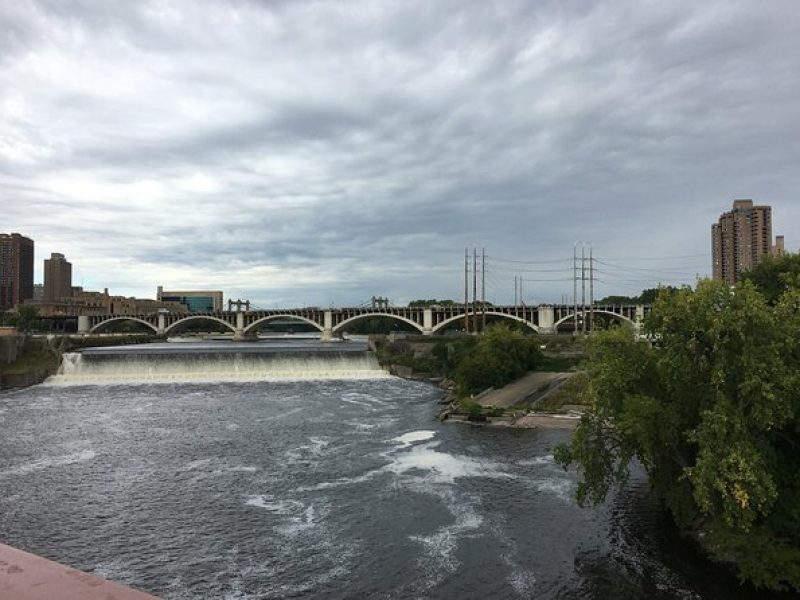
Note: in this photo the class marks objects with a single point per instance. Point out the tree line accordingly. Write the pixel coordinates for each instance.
(710, 406)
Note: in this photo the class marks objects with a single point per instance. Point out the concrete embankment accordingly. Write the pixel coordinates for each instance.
(517, 404)
(27, 360)
(29, 577)
(527, 390)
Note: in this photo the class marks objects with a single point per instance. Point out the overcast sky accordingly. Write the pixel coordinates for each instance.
(315, 153)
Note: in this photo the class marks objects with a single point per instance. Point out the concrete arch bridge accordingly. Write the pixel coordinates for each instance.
(545, 318)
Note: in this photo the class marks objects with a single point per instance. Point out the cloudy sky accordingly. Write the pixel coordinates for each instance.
(316, 153)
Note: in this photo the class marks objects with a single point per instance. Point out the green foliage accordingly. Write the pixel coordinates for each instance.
(493, 359)
(476, 412)
(25, 317)
(647, 296)
(774, 276)
(432, 302)
(572, 391)
(31, 360)
(713, 414)
(378, 325)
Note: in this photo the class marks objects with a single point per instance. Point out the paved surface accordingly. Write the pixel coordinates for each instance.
(530, 388)
(26, 576)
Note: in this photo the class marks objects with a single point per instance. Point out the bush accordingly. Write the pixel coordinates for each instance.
(496, 358)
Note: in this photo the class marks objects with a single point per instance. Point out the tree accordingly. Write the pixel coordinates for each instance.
(497, 357)
(712, 411)
(25, 316)
(774, 275)
(433, 302)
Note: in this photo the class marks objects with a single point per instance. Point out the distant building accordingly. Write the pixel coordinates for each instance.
(195, 301)
(778, 249)
(16, 270)
(38, 292)
(57, 278)
(85, 303)
(741, 238)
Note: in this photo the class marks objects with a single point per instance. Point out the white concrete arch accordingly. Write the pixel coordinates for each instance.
(122, 318)
(341, 325)
(199, 318)
(597, 312)
(254, 324)
(446, 322)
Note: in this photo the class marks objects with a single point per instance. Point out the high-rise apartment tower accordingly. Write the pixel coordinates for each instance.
(741, 238)
(16, 269)
(57, 278)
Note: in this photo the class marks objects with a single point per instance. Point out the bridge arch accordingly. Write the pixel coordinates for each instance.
(618, 316)
(414, 324)
(199, 318)
(102, 324)
(452, 319)
(254, 325)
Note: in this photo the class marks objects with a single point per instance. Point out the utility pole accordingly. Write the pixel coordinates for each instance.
(583, 289)
(483, 289)
(591, 289)
(466, 290)
(475, 290)
(575, 286)
(515, 291)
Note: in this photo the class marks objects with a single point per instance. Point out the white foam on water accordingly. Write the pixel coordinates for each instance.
(440, 546)
(282, 415)
(537, 460)
(407, 439)
(268, 502)
(561, 487)
(441, 467)
(524, 582)
(303, 453)
(362, 397)
(238, 469)
(299, 523)
(196, 465)
(46, 463)
(77, 369)
(325, 485)
(358, 403)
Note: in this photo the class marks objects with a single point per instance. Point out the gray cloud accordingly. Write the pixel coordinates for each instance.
(316, 152)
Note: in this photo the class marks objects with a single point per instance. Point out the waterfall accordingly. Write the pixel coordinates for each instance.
(143, 365)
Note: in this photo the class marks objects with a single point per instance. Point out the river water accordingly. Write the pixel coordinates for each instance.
(248, 482)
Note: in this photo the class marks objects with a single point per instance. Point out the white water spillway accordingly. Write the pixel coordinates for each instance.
(222, 361)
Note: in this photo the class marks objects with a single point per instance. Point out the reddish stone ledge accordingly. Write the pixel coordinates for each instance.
(26, 576)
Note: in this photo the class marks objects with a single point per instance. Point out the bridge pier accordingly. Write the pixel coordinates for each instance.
(327, 326)
(84, 325)
(547, 319)
(162, 324)
(427, 322)
(240, 336)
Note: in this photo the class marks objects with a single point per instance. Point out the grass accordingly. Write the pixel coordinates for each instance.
(559, 364)
(573, 391)
(31, 361)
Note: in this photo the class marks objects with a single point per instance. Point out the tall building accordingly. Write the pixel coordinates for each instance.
(195, 301)
(741, 238)
(57, 278)
(16, 270)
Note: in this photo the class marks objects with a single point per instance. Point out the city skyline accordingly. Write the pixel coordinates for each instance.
(306, 153)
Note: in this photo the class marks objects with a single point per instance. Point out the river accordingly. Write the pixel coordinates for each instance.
(193, 474)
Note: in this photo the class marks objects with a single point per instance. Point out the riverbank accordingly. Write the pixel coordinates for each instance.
(27, 360)
(550, 396)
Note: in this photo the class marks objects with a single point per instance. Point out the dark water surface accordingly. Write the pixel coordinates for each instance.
(318, 489)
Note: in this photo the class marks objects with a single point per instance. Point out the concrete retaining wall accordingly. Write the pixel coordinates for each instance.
(9, 349)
